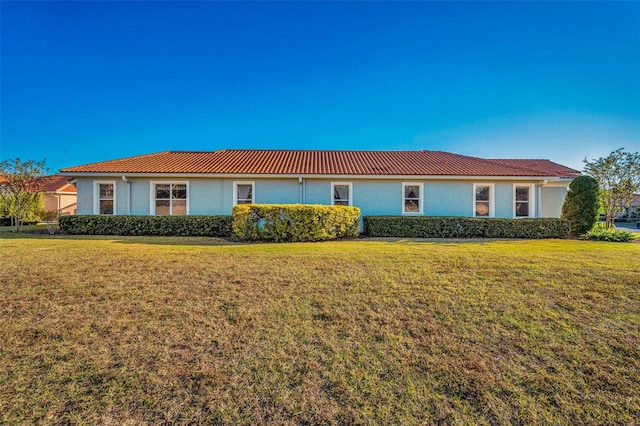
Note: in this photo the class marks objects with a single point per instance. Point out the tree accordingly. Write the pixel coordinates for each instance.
(581, 204)
(20, 184)
(618, 176)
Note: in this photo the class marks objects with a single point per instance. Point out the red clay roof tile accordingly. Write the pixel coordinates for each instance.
(57, 183)
(539, 164)
(310, 162)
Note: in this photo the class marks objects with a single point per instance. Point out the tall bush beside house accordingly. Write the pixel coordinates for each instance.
(581, 204)
(295, 222)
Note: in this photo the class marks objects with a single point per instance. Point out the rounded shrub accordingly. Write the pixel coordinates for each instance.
(294, 222)
(581, 204)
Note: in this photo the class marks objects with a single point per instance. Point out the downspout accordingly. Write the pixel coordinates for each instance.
(539, 198)
(301, 196)
(124, 179)
(57, 203)
(221, 209)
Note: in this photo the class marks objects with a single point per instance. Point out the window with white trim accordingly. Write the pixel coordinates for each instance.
(341, 193)
(104, 197)
(243, 193)
(523, 204)
(483, 204)
(169, 198)
(412, 198)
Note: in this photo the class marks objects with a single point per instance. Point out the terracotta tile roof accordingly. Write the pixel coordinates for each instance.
(57, 183)
(539, 164)
(309, 162)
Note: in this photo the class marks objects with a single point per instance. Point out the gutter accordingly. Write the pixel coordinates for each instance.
(318, 176)
(125, 180)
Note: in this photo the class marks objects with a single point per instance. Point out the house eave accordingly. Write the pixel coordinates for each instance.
(315, 176)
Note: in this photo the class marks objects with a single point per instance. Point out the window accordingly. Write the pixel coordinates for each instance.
(169, 198)
(243, 193)
(483, 200)
(523, 205)
(341, 193)
(104, 199)
(412, 198)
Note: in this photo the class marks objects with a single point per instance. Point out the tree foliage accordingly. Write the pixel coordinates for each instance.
(618, 176)
(581, 204)
(20, 184)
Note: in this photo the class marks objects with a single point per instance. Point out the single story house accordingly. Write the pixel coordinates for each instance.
(59, 195)
(432, 183)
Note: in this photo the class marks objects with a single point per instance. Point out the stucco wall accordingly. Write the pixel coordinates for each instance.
(210, 196)
(552, 201)
(85, 195)
(65, 203)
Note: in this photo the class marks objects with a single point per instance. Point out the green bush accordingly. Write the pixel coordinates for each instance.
(207, 226)
(32, 215)
(581, 204)
(463, 227)
(600, 233)
(294, 222)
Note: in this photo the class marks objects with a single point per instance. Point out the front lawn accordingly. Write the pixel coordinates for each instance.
(107, 330)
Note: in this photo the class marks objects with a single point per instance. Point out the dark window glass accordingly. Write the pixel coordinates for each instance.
(482, 193)
(522, 209)
(341, 195)
(522, 194)
(106, 206)
(163, 192)
(245, 194)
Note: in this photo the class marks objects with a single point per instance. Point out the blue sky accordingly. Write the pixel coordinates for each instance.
(93, 81)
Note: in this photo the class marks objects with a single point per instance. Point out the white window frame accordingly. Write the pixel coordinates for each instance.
(235, 191)
(420, 186)
(349, 200)
(152, 191)
(492, 199)
(532, 199)
(96, 195)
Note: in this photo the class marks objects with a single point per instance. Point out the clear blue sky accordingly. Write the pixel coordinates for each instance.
(93, 81)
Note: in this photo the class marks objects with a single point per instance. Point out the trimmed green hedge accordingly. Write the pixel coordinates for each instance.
(463, 227)
(295, 222)
(207, 226)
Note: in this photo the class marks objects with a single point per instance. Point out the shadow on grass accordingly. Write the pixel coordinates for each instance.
(121, 239)
(213, 241)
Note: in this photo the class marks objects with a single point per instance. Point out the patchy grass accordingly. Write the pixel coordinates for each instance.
(195, 330)
(39, 228)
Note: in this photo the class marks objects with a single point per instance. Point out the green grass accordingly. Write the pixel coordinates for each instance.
(106, 330)
(41, 227)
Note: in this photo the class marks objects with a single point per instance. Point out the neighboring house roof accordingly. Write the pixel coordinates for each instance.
(57, 183)
(311, 162)
(636, 201)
